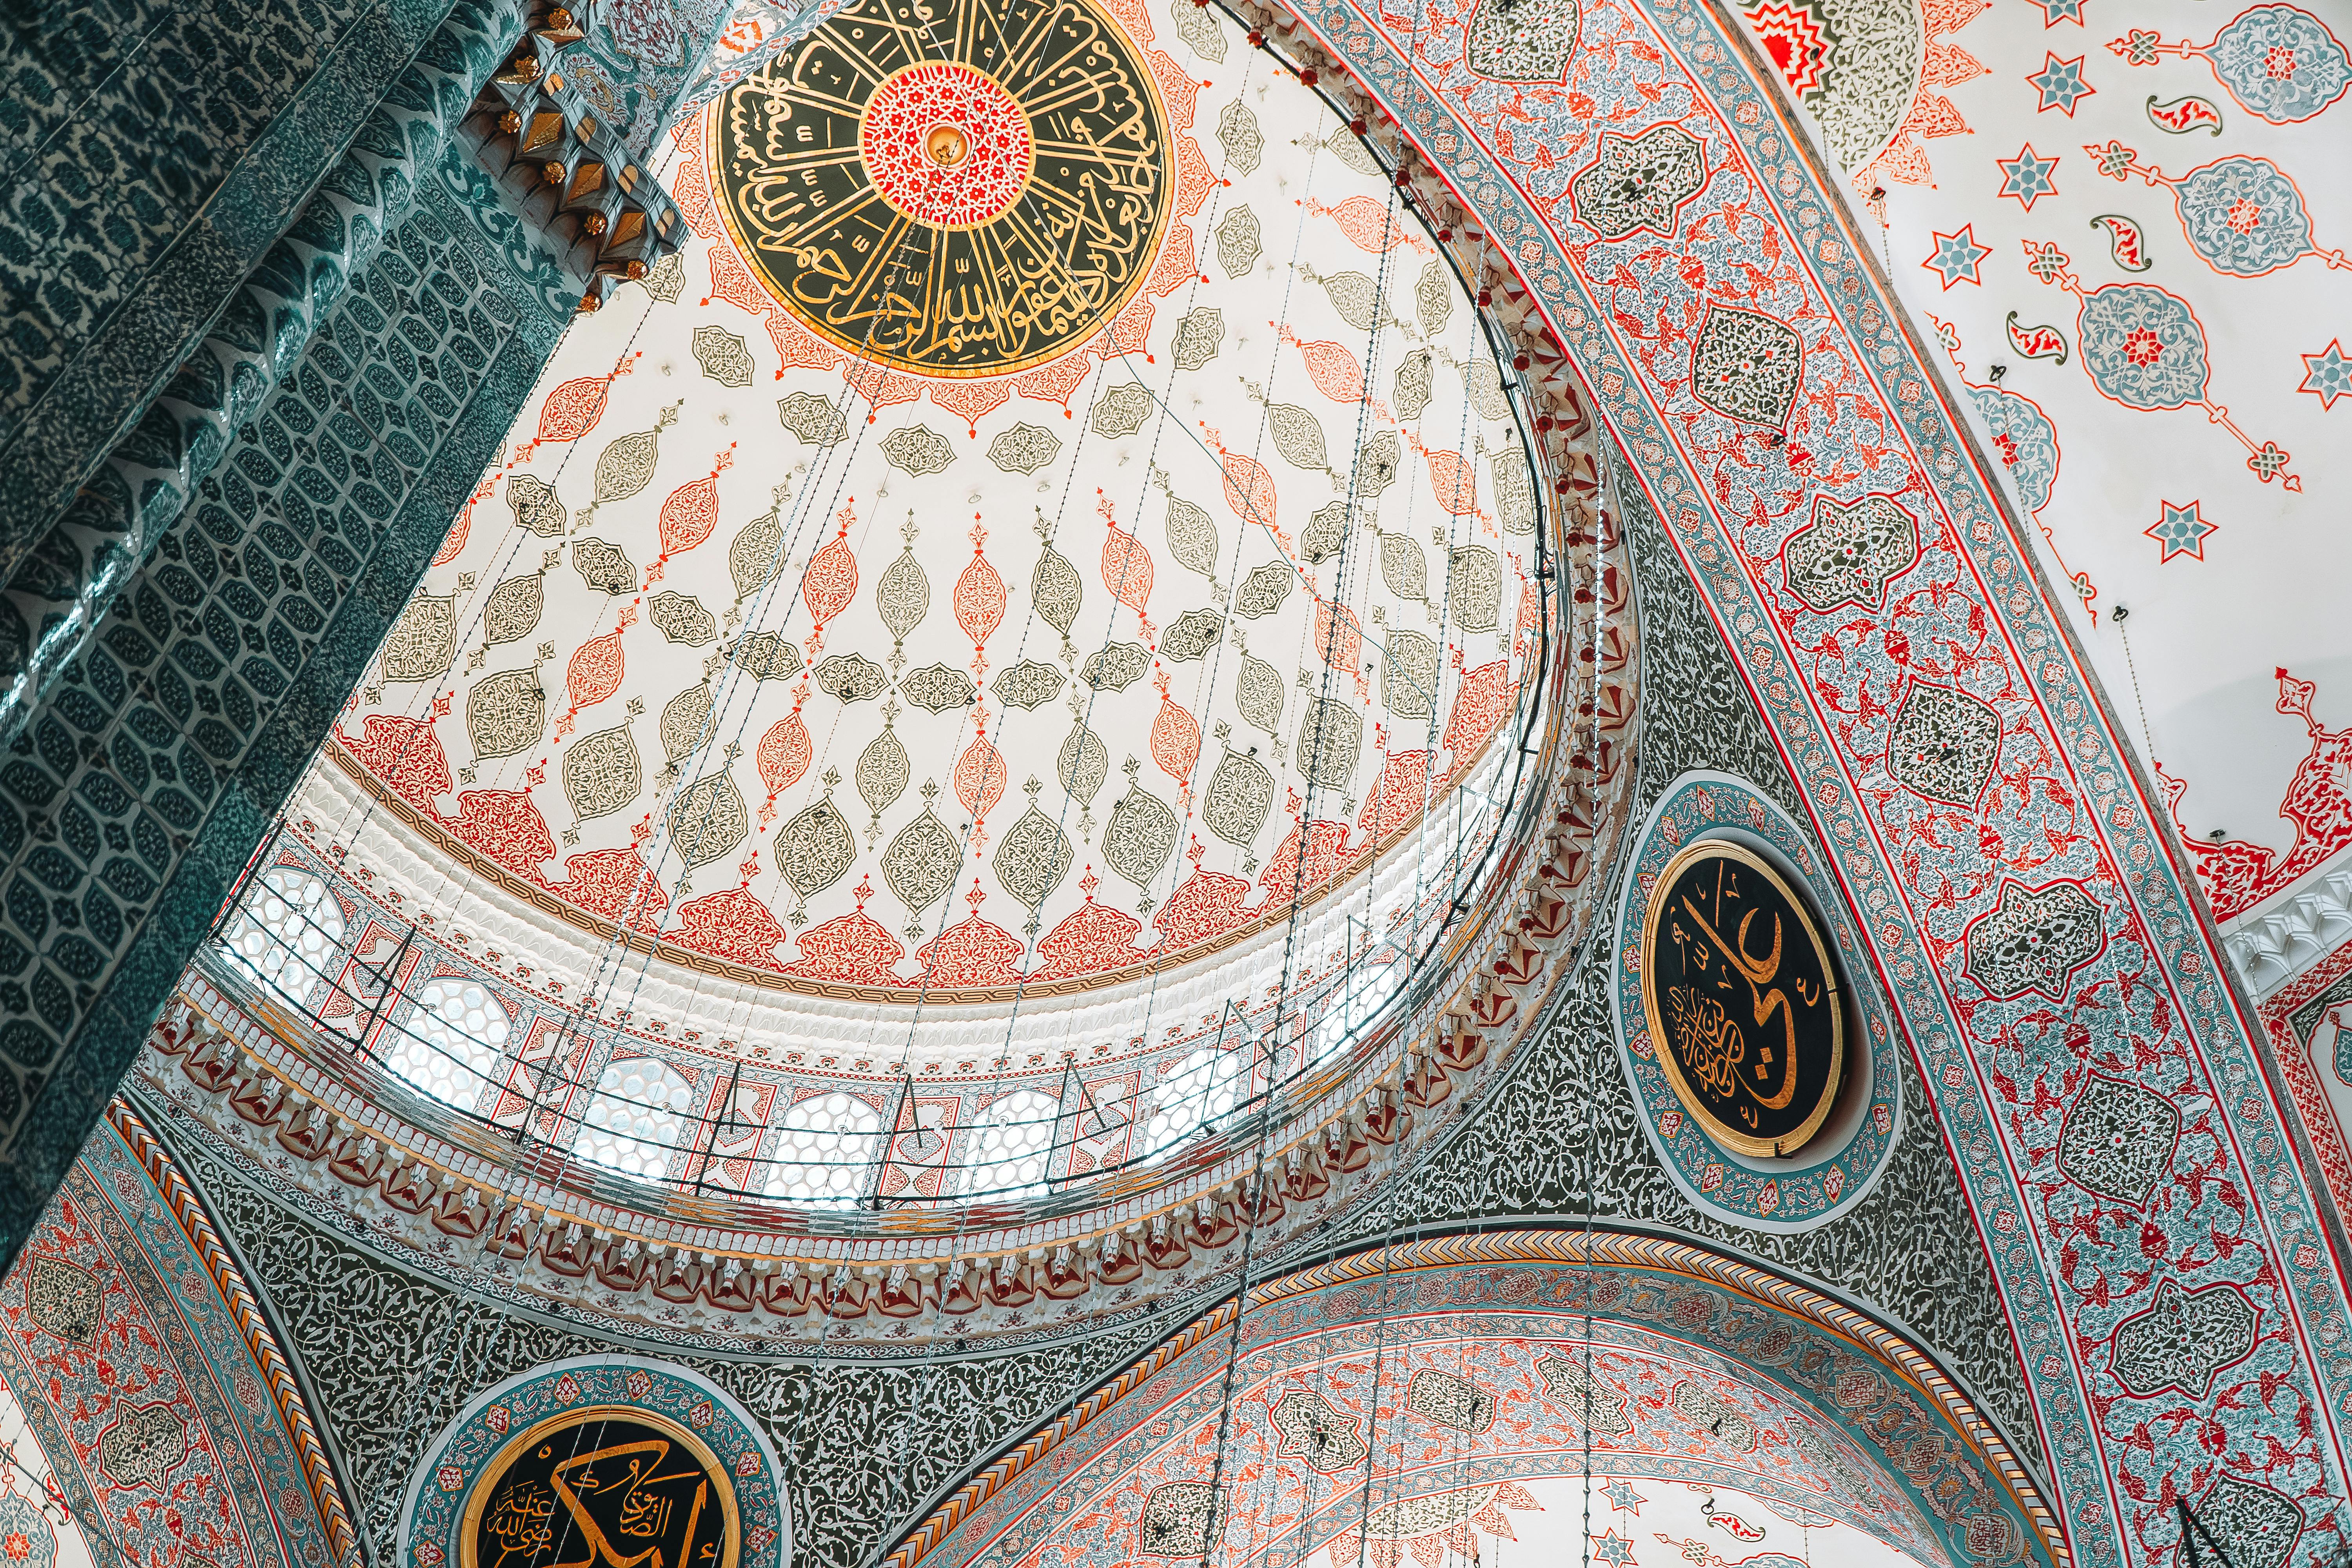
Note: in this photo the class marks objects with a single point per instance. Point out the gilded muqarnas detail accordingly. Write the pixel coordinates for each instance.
(961, 138)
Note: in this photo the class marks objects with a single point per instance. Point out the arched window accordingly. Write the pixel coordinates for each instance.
(1200, 1091)
(1012, 1145)
(450, 1045)
(635, 1118)
(287, 933)
(825, 1149)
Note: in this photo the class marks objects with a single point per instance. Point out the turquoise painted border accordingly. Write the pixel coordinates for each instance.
(1784, 1196)
(206, 1346)
(434, 1504)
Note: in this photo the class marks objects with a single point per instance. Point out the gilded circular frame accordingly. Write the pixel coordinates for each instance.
(1694, 1105)
(486, 1483)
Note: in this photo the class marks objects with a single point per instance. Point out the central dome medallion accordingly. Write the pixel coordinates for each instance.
(957, 191)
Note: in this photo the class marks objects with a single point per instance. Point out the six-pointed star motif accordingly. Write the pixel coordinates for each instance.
(1613, 1549)
(1622, 1495)
(2027, 178)
(2056, 11)
(2060, 84)
(2181, 530)
(2328, 374)
(1957, 256)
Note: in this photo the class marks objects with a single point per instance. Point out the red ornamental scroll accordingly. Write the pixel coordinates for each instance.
(850, 950)
(1249, 489)
(572, 409)
(595, 671)
(1338, 638)
(979, 777)
(692, 509)
(733, 925)
(832, 578)
(1453, 479)
(784, 754)
(1369, 223)
(1332, 369)
(1126, 567)
(1175, 738)
(980, 594)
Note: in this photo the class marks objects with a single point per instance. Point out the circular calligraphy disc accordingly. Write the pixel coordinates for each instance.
(602, 1486)
(1742, 1002)
(959, 188)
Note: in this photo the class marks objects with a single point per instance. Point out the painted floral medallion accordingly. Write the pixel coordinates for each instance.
(956, 193)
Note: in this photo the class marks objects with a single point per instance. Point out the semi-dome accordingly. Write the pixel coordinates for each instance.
(1060, 622)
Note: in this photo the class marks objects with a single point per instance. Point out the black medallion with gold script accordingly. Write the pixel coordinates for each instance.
(1742, 1002)
(951, 187)
(606, 1487)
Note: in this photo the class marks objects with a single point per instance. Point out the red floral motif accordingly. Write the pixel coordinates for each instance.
(692, 509)
(1339, 641)
(2245, 216)
(848, 949)
(1126, 567)
(1327, 857)
(1487, 693)
(1453, 480)
(946, 144)
(831, 580)
(1175, 738)
(1369, 224)
(572, 409)
(969, 397)
(971, 952)
(2239, 874)
(2142, 347)
(980, 777)
(730, 925)
(783, 753)
(2007, 444)
(980, 593)
(1793, 36)
(504, 825)
(1249, 489)
(406, 754)
(2278, 63)
(615, 884)
(1205, 905)
(732, 281)
(796, 346)
(1091, 939)
(1332, 369)
(595, 670)
(1397, 798)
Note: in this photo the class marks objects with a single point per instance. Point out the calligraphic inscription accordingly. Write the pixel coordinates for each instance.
(604, 1486)
(1742, 1002)
(951, 187)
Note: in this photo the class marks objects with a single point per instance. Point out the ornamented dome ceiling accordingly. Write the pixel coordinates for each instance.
(1075, 605)
(863, 616)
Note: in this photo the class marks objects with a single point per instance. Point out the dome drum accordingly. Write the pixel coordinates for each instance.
(800, 1112)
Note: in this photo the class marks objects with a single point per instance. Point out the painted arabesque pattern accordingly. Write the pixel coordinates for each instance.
(1419, 1370)
(2062, 855)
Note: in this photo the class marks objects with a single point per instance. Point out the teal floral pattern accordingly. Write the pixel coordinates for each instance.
(2281, 62)
(2243, 215)
(2143, 346)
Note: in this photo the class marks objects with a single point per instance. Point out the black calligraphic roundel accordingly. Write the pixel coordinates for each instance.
(607, 1487)
(951, 187)
(1742, 1002)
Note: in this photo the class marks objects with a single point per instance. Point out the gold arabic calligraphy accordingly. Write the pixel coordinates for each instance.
(1756, 1037)
(953, 188)
(604, 1492)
